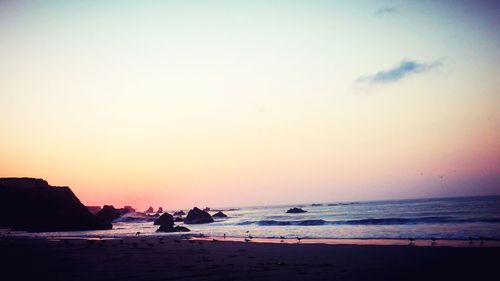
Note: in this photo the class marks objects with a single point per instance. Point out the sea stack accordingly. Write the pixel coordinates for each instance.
(197, 216)
(45, 207)
(219, 214)
(179, 213)
(110, 213)
(166, 222)
(165, 219)
(295, 211)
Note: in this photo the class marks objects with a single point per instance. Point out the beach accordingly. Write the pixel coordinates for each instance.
(175, 258)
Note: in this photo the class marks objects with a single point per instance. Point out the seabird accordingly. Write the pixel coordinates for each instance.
(298, 238)
(137, 233)
(247, 240)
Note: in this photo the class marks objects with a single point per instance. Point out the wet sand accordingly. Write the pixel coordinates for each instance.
(149, 258)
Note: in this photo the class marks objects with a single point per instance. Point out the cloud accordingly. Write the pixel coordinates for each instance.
(385, 11)
(398, 72)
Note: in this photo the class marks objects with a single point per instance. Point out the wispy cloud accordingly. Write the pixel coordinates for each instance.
(385, 11)
(398, 72)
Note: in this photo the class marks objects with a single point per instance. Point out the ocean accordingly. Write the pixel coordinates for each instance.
(443, 218)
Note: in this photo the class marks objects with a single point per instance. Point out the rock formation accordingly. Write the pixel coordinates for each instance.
(45, 207)
(181, 229)
(160, 210)
(150, 210)
(165, 219)
(295, 211)
(179, 213)
(94, 209)
(166, 222)
(197, 216)
(219, 214)
(129, 208)
(110, 213)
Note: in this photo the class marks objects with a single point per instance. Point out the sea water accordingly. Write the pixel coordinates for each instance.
(444, 218)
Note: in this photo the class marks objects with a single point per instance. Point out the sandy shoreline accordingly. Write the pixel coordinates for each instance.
(172, 258)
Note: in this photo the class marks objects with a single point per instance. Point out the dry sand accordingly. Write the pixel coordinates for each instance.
(142, 258)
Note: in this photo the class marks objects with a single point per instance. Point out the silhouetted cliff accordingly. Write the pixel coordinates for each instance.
(33, 205)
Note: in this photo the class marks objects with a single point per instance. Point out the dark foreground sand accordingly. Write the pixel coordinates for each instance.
(169, 259)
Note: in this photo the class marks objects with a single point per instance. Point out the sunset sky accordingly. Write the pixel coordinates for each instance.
(230, 103)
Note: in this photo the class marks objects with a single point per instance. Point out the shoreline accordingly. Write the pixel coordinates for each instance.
(174, 258)
(486, 243)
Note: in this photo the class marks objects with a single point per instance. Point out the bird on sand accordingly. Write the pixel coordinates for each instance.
(412, 240)
(137, 233)
(215, 240)
(247, 240)
(247, 231)
(298, 238)
(250, 236)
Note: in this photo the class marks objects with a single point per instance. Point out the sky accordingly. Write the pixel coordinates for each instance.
(236, 103)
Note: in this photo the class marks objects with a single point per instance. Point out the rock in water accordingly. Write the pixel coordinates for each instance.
(45, 207)
(150, 210)
(166, 222)
(219, 214)
(165, 219)
(165, 228)
(109, 213)
(196, 216)
(181, 229)
(179, 213)
(160, 210)
(295, 211)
